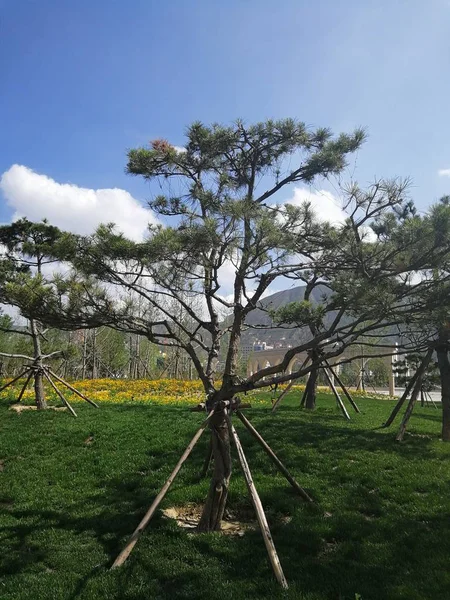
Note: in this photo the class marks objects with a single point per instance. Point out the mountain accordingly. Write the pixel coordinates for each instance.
(285, 336)
(291, 335)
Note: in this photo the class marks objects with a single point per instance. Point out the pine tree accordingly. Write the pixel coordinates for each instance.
(26, 251)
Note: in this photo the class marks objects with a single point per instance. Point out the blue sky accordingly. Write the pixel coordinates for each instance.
(83, 80)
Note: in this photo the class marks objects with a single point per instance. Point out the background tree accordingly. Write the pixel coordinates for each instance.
(432, 294)
(363, 270)
(26, 251)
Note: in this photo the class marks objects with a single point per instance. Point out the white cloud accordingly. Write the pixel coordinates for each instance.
(444, 172)
(13, 312)
(180, 149)
(226, 276)
(326, 207)
(72, 208)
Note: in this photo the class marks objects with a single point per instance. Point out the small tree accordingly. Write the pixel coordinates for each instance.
(433, 296)
(26, 250)
(426, 327)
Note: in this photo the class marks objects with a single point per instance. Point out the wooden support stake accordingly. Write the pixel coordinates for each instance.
(343, 387)
(431, 399)
(282, 395)
(336, 393)
(13, 380)
(207, 462)
(267, 536)
(156, 502)
(63, 400)
(274, 458)
(25, 385)
(286, 390)
(415, 393)
(305, 391)
(402, 400)
(409, 387)
(72, 389)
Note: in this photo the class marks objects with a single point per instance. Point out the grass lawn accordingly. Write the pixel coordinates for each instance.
(72, 490)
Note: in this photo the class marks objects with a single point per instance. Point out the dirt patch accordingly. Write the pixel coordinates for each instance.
(188, 517)
(328, 547)
(418, 435)
(18, 408)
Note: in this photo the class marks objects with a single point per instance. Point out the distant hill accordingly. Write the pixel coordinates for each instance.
(286, 335)
(289, 335)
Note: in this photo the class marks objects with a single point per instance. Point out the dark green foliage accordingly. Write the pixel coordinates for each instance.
(300, 314)
(28, 239)
(28, 247)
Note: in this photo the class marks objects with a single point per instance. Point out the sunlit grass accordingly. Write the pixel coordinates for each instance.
(72, 490)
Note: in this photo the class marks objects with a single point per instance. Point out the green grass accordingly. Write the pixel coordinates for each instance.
(68, 506)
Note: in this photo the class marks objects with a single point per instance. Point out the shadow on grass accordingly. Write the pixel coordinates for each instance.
(436, 417)
(367, 546)
(332, 431)
(328, 558)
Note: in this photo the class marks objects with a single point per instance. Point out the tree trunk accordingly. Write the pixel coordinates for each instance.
(444, 371)
(83, 366)
(94, 354)
(415, 394)
(39, 391)
(218, 491)
(311, 387)
(38, 377)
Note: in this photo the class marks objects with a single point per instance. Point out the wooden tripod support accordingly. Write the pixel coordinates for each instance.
(413, 387)
(234, 406)
(327, 369)
(32, 370)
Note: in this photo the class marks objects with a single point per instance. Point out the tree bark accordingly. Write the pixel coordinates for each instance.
(83, 366)
(310, 399)
(39, 390)
(38, 373)
(94, 354)
(414, 395)
(402, 400)
(444, 371)
(218, 491)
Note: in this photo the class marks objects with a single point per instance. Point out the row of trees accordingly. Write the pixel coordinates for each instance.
(105, 352)
(385, 268)
(101, 352)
